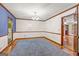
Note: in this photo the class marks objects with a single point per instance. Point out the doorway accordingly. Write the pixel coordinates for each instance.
(69, 32)
(10, 30)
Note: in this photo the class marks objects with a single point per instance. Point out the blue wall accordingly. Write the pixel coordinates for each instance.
(4, 21)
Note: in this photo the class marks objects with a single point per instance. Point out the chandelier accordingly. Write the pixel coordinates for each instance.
(35, 16)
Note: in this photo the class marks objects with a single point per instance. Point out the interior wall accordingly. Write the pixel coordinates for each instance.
(55, 24)
(3, 42)
(4, 14)
(28, 25)
(4, 21)
(29, 28)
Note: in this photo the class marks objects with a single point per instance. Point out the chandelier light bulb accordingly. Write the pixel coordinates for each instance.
(35, 16)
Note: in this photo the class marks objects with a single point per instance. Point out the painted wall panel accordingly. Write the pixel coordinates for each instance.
(27, 35)
(3, 42)
(27, 25)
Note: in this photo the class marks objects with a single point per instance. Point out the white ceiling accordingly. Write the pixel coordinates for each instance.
(44, 10)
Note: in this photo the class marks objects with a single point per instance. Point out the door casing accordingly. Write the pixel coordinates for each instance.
(62, 34)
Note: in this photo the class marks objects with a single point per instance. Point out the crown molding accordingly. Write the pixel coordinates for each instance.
(29, 19)
(6, 9)
(63, 11)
